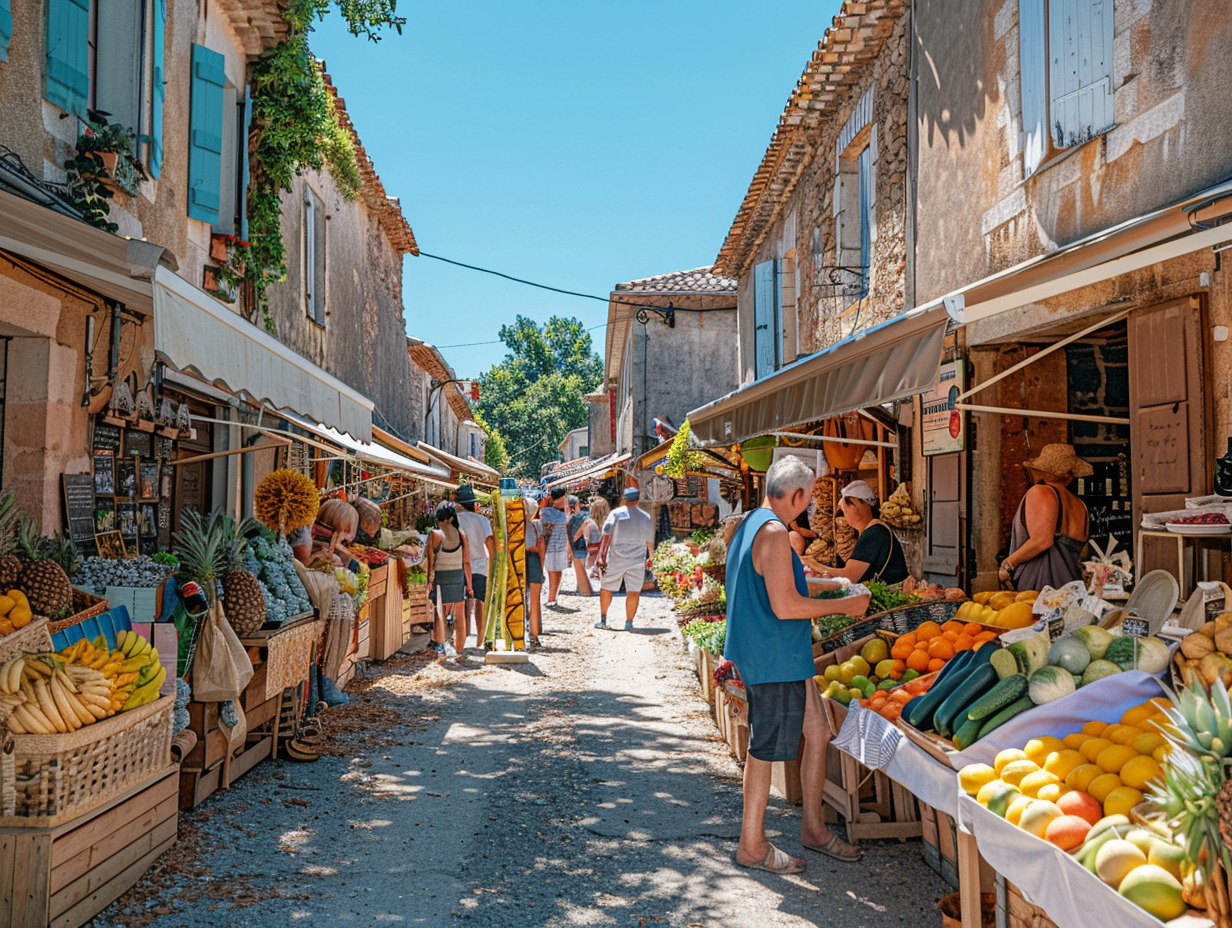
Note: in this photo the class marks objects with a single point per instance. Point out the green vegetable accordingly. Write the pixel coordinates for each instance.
(1121, 653)
(1050, 683)
(1017, 707)
(1004, 663)
(1097, 670)
(1031, 654)
(1070, 654)
(908, 675)
(968, 733)
(1095, 639)
(925, 705)
(975, 684)
(1006, 691)
(881, 597)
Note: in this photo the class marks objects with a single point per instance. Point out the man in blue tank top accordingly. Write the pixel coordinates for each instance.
(769, 639)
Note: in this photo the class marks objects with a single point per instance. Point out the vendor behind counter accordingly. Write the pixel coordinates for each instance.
(878, 554)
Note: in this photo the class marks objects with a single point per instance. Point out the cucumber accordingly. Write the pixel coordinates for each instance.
(1020, 705)
(974, 685)
(1005, 663)
(923, 707)
(967, 734)
(1005, 692)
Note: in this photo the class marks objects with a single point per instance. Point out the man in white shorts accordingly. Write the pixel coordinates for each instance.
(624, 555)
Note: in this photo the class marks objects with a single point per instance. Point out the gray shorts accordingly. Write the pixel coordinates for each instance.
(776, 719)
(631, 571)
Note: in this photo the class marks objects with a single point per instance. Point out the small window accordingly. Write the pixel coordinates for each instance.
(314, 257)
(855, 223)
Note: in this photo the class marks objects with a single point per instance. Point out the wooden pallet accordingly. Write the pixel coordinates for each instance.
(62, 877)
(873, 806)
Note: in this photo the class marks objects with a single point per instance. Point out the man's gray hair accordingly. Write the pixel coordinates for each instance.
(788, 474)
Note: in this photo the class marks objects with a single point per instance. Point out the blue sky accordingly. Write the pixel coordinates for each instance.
(575, 144)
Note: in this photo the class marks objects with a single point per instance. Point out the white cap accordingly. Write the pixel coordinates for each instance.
(858, 489)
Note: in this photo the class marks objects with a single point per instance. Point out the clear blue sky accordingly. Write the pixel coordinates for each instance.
(575, 144)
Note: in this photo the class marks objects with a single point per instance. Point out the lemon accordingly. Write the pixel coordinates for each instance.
(1094, 729)
(1081, 777)
(1140, 770)
(1112, 759)
(1147, 743)
(1124, 735)
(988, 790)
(1121, 800)
(1076, 740)
(1013, 772)
(861, 665)
(1005, 757)
(975, 776)
(1102, 786)
(1161, 753)
(1062, 763)
(1091, 749)
(1038, 749)
(1032, 783)
(1014, 813)
(1138, 714)
(1052, 791)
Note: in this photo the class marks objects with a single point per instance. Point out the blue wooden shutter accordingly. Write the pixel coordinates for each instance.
(1033, 82)
(67, 78)
(765, 312)
(158, 89)
(205, 134)
(1080, 71)
(242, 142)
(6, 28)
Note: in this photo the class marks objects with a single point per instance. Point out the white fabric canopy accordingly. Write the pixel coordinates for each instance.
(195, 332)
(384, 457)
(596, 469)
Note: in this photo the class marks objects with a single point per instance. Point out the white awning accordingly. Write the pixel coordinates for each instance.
(598, 468)
(381, 456)
(195, 332)
(484, 473)
(892, 361)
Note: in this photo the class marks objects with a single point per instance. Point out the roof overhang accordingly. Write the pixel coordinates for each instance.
(596, 469)
(481, 472)
(119, 268)
(379, 456)
(892, 361)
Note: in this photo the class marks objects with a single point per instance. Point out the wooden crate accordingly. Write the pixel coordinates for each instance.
(62, 877)
(731, 712)
(940, 843)
(1016, 911)
(388, 632)
(378, 581)
(873, 806)
(415, 609)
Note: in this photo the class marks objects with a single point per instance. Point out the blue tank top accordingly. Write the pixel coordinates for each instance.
(764, 648)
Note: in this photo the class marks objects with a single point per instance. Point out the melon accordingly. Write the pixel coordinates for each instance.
(1067, 831)
(1013, 814)
(1000, 803)
(1116, 859)
(1169, 856)
(1039, 815)
(1155, 889)
(1082, 805)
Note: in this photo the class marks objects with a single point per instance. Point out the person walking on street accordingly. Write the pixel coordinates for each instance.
(556, 541)
(599, 511)
(577, 545)
(449, 576)
(769, 626)
(478, 531)
(624, 554)
(534, 571)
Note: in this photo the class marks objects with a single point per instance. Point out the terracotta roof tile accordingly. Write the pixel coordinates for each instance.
(697, 280)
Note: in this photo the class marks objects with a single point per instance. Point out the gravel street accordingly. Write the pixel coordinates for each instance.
(587, 787)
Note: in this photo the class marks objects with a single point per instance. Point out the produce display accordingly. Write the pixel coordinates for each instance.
(97, 573)
(1208, 652)
(273, 564)
(897, 510)
(35, 564)
(373, 557)
(1004, 609)
(708, 635)
(882, 596)
(1206, 518)
(14, 612)
(889, 703)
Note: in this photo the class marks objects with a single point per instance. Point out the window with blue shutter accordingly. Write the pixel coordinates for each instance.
(1080, 69)
(157, 89)
(67, 69)
(1033, 81)
(6, 28)
(765, 319)
(205, 134)
(242, 144)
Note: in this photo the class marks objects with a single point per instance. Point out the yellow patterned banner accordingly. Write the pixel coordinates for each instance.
(515, 574)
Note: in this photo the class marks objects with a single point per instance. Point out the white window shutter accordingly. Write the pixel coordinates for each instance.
(1033, 81)
(765, 316)
(1080, 73)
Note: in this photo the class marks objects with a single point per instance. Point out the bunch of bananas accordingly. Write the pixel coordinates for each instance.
(133, 667)
(43, 694)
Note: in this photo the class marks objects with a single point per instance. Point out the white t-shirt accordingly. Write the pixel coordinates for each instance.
(477, 529)
(631, 531)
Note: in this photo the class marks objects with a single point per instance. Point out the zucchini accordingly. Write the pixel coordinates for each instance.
(1005, 663)
(923, 707)
(1018, 706)
(974, 685)
(1005, 692)
(967, 734)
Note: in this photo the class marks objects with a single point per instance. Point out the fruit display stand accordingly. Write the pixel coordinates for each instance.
(731, 712)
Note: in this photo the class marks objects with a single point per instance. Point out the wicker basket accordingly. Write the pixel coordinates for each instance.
(85, 606)
(906, 619)
(860, 628)
(951, 910)
(716, 571)
(50, 779)
(34, 638)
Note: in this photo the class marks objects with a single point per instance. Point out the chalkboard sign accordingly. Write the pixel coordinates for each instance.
(138, 442)
(79, 506)
(1135, 628)
(107, 437)
(1056, 628)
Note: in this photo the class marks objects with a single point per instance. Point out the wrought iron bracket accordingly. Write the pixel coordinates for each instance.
(669, 314)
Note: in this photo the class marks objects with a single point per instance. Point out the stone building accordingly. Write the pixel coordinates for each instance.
(438, 394)
(601, 426)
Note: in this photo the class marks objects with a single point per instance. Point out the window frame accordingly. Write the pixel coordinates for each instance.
(313, 254)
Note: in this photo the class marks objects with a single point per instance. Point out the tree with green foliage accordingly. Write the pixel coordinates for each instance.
(494, 453)
(536, 395)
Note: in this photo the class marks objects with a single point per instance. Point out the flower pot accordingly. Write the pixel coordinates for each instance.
(110, 160)
(218, 249)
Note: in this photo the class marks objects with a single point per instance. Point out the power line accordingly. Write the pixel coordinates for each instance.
(497, 341)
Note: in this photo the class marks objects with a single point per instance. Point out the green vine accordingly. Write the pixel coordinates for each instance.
(682, 459)
(295, 128)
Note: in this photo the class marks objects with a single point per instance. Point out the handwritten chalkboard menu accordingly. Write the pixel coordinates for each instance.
(79, 506)
(107, 437)
(138, 442)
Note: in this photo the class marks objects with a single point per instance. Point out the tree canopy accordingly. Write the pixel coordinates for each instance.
(536, 394)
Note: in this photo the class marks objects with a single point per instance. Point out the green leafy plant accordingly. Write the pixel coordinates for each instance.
(682, 458)
(102, 160)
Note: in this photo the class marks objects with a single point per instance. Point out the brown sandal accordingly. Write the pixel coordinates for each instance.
(776, 861)
(836, 848)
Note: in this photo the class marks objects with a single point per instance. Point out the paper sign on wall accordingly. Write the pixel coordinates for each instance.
(944, 428)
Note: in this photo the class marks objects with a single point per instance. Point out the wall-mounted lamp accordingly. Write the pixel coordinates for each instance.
(669, 314)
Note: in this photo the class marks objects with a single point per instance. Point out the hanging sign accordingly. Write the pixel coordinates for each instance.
(943, 428)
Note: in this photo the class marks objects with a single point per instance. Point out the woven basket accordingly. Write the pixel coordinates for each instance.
(34, 638)
(908, 618)
(859, 628)
(716, 571)
(85, 606)
(49, 779)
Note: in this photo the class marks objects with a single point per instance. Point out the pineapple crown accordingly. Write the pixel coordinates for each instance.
(235, 537)
(10, 517)
(198, 545)
(31, 546)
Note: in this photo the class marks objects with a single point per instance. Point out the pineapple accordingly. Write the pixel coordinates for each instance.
(43, 581)
(241, 592)
(62, 550)
(198, 545)
(10, 564)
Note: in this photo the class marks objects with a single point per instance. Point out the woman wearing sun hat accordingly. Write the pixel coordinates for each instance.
(877, 555)
(1051, 526)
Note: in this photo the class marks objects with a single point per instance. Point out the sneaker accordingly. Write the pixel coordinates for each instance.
(628, 625)
(602, 623)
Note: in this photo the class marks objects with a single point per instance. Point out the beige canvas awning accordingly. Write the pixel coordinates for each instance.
(481, 472)
(596, 469)
(892, 361)
(111, 266)
(194, 332)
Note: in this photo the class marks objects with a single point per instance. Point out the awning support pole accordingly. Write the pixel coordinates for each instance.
(1094, 327)
(274, 443)
(1042, 414)
(835, 438)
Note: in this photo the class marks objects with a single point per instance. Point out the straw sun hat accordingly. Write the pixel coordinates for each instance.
(1060, 461)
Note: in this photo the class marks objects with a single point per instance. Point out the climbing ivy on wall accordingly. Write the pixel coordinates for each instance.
(295, 128)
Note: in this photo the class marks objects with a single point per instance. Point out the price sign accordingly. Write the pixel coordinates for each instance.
(1056, 628)
(1135, 628)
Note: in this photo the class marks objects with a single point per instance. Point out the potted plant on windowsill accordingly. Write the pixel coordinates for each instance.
(107, 150)
(225, 279)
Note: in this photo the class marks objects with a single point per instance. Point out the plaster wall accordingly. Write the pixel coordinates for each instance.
(599, 433)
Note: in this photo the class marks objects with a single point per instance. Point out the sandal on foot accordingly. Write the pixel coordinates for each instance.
(294, 750)
(836, 848)
(775, 861)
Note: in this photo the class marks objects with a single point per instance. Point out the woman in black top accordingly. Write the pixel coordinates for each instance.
(877, 555)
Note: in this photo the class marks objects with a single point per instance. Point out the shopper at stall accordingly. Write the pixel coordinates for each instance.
(802, 533)
(369, 522)
(578, 545)
(556, 541)
(624, 556)
(478, 531)
(877, 555)
(1051, 526)
(449, 578)
(534, 570)
(599, 511)
(769, 641)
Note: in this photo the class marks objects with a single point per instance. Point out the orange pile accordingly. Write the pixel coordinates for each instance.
(889, 703)
(926, 649)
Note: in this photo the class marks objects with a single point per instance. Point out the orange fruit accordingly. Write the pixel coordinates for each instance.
(898, 668)
(918, 661)
(964, 643)
(928, 630)
(900, 651)
(942, 649)
(973, 629)
(908, 639)
(985, 636)
(935, 664)
(953, 625)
